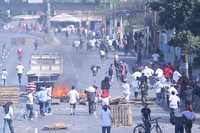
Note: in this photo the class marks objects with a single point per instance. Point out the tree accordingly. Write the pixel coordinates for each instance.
(194, 19)
(173, 13)
(182, 16)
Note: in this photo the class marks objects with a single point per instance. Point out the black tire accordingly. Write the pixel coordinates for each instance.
(158, 129)
(139, 129)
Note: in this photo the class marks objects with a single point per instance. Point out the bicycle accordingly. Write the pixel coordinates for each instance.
(140, 128)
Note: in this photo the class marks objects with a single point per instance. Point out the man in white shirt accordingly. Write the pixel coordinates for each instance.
(91, 97)
(29, 104)
(73, 99)
(126, 90)
(159, 73)
(42, 99)
(176, 76)
(106, 119)
(148, 71)
(172, 89)
(174, 101)
(8, 117)
(49, 93)
(20, 70)
(155, 57)
(136, 75)
(4, 76)
(135, 86)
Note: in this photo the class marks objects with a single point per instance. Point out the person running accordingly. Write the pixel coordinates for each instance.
(8, 117)
(20, 70)
(4, 76)
(106, 119)
(73, 99)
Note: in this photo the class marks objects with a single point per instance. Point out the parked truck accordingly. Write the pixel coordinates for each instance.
(45, 69)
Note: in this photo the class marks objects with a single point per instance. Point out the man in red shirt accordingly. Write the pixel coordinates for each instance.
(168, 71)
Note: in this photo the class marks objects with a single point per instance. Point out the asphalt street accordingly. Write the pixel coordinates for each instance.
(76, 72)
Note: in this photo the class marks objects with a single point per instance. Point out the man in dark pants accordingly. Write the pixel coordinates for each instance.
(146, 113)
(91, 95)
(178, 122)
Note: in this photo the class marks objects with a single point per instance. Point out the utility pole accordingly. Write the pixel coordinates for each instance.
(48, 13)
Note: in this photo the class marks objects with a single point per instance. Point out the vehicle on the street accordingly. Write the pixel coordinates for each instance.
(45, 69)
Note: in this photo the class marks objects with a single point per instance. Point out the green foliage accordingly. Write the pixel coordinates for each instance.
(4, 16)
(194, 19)
(185, 40)
(184, 17)
(155, 6)
(172, 13)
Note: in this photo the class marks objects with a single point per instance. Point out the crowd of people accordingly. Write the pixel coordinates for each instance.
(172, 88)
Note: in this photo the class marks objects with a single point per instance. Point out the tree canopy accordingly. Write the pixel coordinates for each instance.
(183, 16)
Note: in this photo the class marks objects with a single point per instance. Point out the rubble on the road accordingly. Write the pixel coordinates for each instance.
(56, 126)
(9, 93)
(121, 100)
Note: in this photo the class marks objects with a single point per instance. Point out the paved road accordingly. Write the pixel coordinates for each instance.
(77, 71)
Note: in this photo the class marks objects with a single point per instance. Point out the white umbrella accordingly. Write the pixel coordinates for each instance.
(26, 17)
(64, 18)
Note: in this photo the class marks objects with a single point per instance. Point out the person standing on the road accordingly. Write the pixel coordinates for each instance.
(143, 87)
(176, 76)
(188, 95)
(106, 119)
(168, 71)
(189, 117)
(20, 54)
(155, 57)
(4, 76)
(73, 99)
(126, 90)
(135, 86)
(111, 71)
(174, 101)
(91, 95)
(20, 70)
(146, 114)
(8, 117)
(105, 84)
(29, 103)
(49, 96)
(42, 99)
(139, 57)
(95, 70)
(35, 44)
